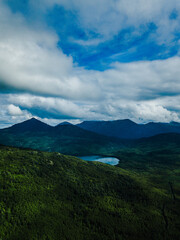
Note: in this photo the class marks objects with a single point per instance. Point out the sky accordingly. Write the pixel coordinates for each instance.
(76, 60)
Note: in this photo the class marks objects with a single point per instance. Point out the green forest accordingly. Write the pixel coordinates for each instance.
(50, 196)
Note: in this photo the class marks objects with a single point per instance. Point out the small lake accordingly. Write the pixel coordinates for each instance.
(108, 160)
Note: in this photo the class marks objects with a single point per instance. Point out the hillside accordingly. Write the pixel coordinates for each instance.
(52, 196)
(128, 129)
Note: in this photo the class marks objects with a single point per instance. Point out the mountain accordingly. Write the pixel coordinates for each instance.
(75, 140)
(164, 139)
(128, 129)
(65, 123)
(174, 123)
(32, 125)
(66, 138)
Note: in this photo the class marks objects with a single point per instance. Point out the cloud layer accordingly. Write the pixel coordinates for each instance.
(109, 17)
(38, 79)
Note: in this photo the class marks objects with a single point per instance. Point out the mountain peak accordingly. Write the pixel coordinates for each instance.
(31, 124)
(125, 121)
(64, 123)
(33, 119)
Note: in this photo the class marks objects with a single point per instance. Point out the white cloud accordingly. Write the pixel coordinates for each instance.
(55, 107)
(14, 110)
(141, 111)
(31, 61)
(147, 111)
(143, 79)
(11, 114)
(108, 17)
(110, 109)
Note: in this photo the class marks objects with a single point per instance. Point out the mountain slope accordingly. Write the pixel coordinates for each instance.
(127, 129)
(52, 196)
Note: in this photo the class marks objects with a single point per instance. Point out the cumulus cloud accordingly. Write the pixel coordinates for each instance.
(143, 79)
(145, 112)
(57, 88)
(107, 18)
(54, 107)
(14, 110)
(11, 114)
(110, 109)
(30, 61)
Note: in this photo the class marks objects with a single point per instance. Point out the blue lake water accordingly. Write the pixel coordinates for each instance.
(108, 160)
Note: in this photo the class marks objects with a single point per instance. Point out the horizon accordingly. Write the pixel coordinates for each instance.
(59, 123)
(81, 60)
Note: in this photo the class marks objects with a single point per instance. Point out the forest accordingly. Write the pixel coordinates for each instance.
(49, 196)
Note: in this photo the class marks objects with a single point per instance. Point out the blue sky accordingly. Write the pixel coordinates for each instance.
(89, 60)
(123, 46)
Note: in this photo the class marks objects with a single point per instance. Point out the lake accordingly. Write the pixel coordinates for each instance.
(108, 160)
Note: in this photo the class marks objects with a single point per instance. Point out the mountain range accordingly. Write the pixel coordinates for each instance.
(128, 129)
(64, 138)
(89, 138)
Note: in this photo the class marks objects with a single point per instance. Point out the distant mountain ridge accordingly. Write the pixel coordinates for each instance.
(65, 138)
(74, 140)
(127, 129)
